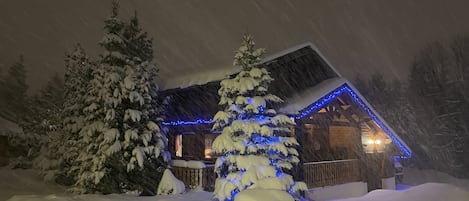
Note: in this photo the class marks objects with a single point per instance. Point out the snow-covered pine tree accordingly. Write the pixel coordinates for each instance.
(144, 141)
(126, 145)
(254, 140)
(139, 45)
(62, 148)
(78, 74)
(100, 167)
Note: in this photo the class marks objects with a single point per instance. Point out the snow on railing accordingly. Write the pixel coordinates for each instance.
(328, 173)
(196, 175)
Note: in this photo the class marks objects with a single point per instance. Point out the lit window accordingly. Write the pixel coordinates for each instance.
(178, 145)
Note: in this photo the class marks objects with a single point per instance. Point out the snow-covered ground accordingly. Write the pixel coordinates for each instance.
(352, 189)
(424, 192)
(191, 196)
(26, 185)
(418, 185)
(414, 177)
(24, 182)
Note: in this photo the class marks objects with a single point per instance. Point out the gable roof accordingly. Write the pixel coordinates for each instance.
(200, 101)
(206, 76)
(302, 77)
(315, 98)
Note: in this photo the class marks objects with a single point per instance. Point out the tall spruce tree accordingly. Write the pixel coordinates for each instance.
(78, 74)
(43, 120)
(254, 143)
(139, 88)
(126, 147)
(15, 89)
(57, 157)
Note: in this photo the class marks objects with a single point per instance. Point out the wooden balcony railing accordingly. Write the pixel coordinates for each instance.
(316, 174)
(200, 179)
(327, 173)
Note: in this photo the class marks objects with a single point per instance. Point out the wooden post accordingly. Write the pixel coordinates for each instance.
(374, 170)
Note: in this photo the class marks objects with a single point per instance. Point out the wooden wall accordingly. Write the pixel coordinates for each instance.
(345, 140)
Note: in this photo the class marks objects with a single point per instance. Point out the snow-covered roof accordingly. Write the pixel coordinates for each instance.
(316, 97)
(303, 99)
(8, 127)
(206, 76)
(200, 78)
(295, 48)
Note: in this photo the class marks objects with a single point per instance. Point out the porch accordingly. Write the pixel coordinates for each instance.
(316, 174)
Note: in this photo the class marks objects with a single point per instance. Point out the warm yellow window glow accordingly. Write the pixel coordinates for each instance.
(178, 145)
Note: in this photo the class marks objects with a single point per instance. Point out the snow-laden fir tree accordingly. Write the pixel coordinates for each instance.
(142, 73)
(126, 146)
(254, 140)
(62, 148)
(78, 74)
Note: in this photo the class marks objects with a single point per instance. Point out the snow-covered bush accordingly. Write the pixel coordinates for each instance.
(170, 185)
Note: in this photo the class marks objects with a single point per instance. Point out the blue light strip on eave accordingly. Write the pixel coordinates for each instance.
(337, 92)
(394, 138)
(317, 106)
(186, 123)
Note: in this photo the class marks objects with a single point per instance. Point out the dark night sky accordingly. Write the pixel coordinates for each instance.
(359, 36)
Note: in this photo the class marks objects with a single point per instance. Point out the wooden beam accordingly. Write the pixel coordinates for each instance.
(346, 114)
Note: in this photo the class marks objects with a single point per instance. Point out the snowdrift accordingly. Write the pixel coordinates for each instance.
(424, 192)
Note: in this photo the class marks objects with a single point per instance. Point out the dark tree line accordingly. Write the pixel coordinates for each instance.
(431, 109)
(35, 113)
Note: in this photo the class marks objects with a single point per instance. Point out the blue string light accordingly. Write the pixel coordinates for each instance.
(337, 92)
(317, 106)
(321, 102)
(394, 138)
(185, 123)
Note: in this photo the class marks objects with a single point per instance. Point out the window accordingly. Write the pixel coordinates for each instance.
(178, 145)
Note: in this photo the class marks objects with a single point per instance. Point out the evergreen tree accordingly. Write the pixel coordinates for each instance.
(254, 143)
(139, 45)
(62, 148)
(78, 74)
(43, 119)
(100, 169)
(15, 88)
(439, 103)
(125, 145)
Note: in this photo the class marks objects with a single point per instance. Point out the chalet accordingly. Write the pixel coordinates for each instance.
(341, 136)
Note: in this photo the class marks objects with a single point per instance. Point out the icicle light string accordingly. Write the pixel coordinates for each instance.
(314, 107)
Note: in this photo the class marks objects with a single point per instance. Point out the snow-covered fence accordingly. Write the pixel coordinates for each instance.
(195, 174)
(198, 176)
(328, 173)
